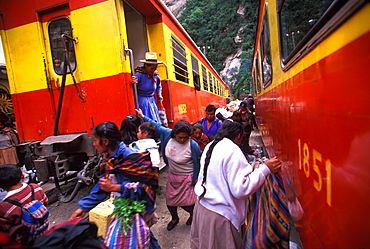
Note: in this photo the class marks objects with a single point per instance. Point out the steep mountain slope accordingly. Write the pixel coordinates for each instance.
(224, 30)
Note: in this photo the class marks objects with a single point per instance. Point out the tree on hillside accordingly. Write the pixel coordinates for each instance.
(218, 32)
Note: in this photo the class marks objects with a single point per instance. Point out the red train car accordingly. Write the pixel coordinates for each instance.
(312, 104)
(104, 41)
(107, 39)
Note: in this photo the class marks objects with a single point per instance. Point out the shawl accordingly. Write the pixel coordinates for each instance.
(136, 167)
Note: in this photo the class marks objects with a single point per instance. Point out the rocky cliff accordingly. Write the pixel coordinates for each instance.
(175, 6)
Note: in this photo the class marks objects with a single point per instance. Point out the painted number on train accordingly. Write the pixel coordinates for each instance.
(312, 161)
(182, 108)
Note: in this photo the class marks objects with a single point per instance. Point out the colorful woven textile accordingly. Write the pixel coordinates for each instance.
(269, 227)
(138, 237)
(136, 167)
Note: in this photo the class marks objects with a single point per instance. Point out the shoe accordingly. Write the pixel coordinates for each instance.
(171, 225)
(189, 221)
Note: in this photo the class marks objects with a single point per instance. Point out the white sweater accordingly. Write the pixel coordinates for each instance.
(230, 180)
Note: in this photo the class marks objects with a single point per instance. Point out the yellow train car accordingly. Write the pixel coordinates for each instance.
(70, 66)
(105, 40)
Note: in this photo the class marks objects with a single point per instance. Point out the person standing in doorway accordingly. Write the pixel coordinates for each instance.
(148, 82)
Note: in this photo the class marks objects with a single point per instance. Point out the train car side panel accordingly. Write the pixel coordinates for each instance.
(315, 117)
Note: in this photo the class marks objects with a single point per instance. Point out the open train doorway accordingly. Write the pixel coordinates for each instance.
(136, 33)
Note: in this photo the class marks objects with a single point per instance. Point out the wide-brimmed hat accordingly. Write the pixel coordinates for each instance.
(151, 58)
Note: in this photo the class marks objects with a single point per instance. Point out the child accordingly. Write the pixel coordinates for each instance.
(145, 134)
(199, 136)
(10, 181)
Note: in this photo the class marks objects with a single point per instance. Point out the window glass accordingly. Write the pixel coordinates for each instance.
(210, 82)
(179, 54)
(204, 74)
(258, 79)
(195, 66)
(266, 52)
(58, 45)
(297, 18)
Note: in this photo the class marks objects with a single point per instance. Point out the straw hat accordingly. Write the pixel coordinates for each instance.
(151, 58)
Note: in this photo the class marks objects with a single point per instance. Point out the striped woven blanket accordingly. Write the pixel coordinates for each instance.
(136, 167)
(269, 227)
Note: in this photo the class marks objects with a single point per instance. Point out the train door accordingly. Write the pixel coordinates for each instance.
(136, 33)
(61, 66)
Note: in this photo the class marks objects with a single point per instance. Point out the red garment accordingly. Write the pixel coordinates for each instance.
(202, 142)
(10, 215)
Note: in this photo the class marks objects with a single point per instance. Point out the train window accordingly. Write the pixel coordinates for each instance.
(301, 21)
(196, 78)
(59, 46)
(179, 56)
(213, 84)
(210, 82)
(266, 53)
(258, 79)
(204, 76)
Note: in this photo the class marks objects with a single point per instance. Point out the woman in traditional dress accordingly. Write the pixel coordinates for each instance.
(147, 83)
(224, 183)
(127, 174)
(182, 155)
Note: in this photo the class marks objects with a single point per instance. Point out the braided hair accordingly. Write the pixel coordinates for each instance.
(229, 129)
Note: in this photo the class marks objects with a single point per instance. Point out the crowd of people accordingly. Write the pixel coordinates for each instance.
(209, 173)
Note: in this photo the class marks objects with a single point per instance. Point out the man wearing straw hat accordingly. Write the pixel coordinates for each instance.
(148, 81)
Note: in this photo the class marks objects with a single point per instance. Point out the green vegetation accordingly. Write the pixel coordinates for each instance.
(215, 24)
(125, 208)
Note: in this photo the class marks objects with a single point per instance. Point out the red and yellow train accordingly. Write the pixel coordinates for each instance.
(312, 84)
(105, 40)
(101, 41)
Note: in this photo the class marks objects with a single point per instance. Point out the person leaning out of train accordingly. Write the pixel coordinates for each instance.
(148, 82)
(210, 123)
(225, 181)
(182, 155)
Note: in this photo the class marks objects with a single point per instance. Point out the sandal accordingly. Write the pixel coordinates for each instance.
(171, 225)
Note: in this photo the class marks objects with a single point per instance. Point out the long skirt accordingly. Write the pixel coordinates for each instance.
(149, 107)
(179, 191)
(210, 230)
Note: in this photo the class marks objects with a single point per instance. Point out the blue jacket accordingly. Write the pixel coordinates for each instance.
(97, 195)
(215, 126)
(165, 134)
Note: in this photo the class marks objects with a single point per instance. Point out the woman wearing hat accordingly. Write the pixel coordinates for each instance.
(147, 82)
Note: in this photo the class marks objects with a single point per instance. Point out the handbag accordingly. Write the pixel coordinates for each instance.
(162, 114)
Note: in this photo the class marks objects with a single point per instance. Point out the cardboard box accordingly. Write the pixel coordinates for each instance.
(101, 215)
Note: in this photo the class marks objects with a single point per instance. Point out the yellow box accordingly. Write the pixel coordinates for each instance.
(101, 215)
